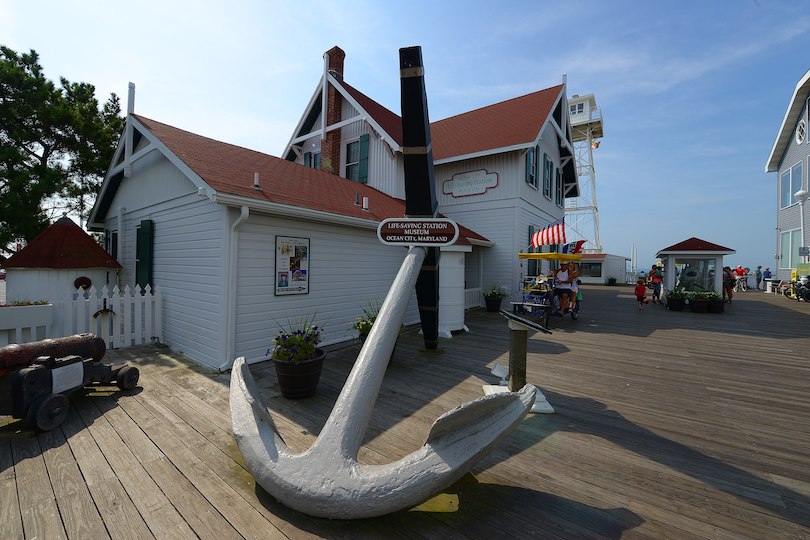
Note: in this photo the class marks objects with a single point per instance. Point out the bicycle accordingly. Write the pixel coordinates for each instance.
(741, 284)
(797, 290)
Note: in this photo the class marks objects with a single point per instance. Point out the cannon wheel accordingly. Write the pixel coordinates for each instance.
(47, 412)
(127, 378)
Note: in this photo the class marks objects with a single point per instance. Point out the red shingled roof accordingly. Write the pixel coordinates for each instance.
(389, 121)
(229, 169)
(62, 245)
(513, 122)
(696, 244)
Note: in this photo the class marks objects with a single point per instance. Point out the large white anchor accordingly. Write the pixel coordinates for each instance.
(326, 480)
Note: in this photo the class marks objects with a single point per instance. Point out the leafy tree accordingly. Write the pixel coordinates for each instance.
(55, 146)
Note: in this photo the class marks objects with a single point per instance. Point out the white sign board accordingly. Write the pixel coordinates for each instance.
(470, 183)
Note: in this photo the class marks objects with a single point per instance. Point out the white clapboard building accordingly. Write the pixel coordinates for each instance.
(240, 241)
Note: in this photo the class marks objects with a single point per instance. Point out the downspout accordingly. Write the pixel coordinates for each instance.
(230, 319)
(119, 251)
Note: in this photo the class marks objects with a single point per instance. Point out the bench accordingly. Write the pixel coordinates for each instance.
(530, 307)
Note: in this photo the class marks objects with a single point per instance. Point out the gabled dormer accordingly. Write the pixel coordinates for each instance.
(353, 132)
(359, 139)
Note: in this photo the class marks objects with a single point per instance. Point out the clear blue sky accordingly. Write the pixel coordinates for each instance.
(692, 92)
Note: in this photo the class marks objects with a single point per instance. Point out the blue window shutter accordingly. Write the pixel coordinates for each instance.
(307, 159)
(548, 171)
(536, 165)
(529, 165)
(144, 237)
(362, 166)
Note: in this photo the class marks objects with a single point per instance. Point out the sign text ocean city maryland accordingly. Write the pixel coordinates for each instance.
(417, 232)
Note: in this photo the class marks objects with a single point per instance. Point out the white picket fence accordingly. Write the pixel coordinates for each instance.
(121, 318)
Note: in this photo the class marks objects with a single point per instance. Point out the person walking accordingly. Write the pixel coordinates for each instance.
(641, 293)
(758, 276)
(729, 279)
(657, 276)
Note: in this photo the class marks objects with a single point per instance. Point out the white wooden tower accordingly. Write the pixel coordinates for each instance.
(582, 213)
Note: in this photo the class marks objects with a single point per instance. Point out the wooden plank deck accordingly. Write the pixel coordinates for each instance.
(676, 425)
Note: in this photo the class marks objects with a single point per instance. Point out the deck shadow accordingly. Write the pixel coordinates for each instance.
(592, 417)
(469, 512)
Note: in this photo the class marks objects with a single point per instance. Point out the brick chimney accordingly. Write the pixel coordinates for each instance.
(330, 146)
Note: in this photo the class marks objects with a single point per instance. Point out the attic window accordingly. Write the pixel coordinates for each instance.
(801, 132)
(357, 160)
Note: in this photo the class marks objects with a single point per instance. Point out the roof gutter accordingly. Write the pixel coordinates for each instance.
(294, 211)
(230, 319)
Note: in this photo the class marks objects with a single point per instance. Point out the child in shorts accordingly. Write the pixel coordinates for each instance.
(641, 293)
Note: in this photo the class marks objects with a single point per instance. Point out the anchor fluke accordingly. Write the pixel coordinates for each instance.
(324, 483)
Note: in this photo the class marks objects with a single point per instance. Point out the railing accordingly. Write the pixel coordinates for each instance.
(121, 318)
(19, 324)
(472, 298)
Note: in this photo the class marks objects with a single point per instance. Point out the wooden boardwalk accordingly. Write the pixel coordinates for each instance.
(675, 425)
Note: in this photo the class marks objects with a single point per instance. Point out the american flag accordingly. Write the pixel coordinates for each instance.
(550, 235)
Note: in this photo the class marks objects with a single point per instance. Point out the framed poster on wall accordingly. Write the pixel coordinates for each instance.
(292, 265)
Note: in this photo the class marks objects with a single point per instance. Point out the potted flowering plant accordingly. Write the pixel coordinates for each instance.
(676, 299)
(492, 298)
(716, 304)
(297, 358)
(364, 323)
(698, 301)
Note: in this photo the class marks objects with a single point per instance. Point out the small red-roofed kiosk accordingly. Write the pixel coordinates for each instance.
(61, 258)
(694, 264)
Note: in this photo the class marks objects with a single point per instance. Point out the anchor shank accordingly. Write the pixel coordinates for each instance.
(346, 425)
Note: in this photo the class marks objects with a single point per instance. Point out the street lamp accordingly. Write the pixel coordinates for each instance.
(801, 196)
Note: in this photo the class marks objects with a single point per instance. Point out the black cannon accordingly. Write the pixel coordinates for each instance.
(36, 378)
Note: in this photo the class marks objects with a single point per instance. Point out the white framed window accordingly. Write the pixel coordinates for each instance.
(789, 243)
(353, 160)
(801, 131)
(790, 181)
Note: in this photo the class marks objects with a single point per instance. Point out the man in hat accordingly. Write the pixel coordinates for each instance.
(758, 276)
(766, 275)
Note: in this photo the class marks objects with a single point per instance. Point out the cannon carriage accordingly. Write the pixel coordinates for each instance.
(37, 378)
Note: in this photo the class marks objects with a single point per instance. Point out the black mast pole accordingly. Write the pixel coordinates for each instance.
(420, 184)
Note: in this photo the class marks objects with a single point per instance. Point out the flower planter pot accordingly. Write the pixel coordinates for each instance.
(716, 306)
(299, 380)
(675, 304)
(493, 303)
(698, 306)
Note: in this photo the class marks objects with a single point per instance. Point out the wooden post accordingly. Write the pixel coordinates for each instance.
(518, 346)
(420, 183)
